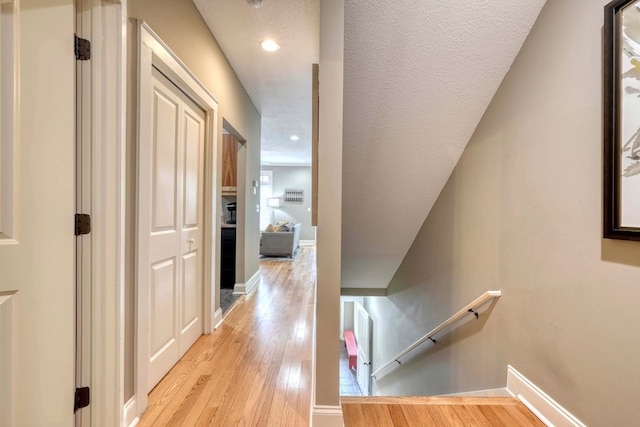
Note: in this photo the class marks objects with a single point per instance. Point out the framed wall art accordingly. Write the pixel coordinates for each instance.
(621, 195)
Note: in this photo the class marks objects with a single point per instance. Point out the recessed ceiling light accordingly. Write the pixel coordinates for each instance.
(294, 137)
(255, 3)
(270, 45)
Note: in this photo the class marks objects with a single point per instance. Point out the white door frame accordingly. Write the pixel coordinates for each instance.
(104, 100)
(153, 52)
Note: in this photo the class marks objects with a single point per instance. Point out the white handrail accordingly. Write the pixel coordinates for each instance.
(469, 308)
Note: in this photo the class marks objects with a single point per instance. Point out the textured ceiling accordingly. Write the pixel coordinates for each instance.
(279, 83)
(418, 77)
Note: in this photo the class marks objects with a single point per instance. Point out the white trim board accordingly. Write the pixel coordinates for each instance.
(307, 242)
(541, 404)
(327, 416)
(247, 288)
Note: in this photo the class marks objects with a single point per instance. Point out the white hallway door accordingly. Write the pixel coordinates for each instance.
(173, 211)
(362, 332)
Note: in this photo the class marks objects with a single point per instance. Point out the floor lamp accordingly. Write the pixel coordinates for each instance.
(273, 202)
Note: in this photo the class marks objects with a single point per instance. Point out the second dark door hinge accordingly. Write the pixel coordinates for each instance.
(82, 48)
(83, 224)
(82, 398)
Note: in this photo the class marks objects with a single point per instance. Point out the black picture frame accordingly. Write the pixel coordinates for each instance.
(614, 142)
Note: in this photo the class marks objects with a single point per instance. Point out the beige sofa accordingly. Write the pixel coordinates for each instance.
(280, 243)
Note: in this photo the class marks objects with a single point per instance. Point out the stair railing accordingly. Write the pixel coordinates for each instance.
(468, 309)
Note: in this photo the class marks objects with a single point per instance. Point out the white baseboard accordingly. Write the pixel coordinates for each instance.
(217, 319)
(540, 403)
(250, 285)
(490, 392)
(130, 417)
(327, 416)
(307, 242)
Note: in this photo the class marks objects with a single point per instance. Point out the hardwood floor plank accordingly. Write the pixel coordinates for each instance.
(524, 416)
(378, 415)
(205, 418)
(353, 416)
(183, 411)
(397, 416)
(479, 419)
(417, 418)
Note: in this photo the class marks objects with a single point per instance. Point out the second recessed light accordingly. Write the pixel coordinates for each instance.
(270, 45)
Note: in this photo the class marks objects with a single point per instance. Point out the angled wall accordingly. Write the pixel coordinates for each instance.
(522, 213)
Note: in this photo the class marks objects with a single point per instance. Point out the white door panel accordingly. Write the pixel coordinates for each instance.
(174, 215)
(191, 326)
(194, 132)
(165, 154)
(362, 332)
(191, 299)
(163, 306)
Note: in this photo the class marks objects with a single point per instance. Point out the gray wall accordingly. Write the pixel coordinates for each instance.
(298, 177)
(522, 213)
(182, 28)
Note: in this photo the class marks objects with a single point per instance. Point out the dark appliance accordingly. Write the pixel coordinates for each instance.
(231, 207)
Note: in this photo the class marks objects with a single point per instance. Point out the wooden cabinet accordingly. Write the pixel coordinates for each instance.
(229, 164)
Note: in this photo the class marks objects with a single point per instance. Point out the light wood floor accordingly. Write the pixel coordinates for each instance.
(255, 370)
(437, 411)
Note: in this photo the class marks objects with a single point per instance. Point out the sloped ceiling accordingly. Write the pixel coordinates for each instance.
(418, 77)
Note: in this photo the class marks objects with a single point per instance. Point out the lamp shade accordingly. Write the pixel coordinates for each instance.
(273, 202)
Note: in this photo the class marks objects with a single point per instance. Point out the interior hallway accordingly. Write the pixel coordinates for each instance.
(256, 368)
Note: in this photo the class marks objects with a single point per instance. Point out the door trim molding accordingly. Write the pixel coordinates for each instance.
(104, 98)
(153, 52)
(10, 109)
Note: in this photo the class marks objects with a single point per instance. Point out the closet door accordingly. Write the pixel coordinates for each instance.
(172, 214)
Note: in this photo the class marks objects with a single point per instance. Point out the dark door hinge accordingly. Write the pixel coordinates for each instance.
(83, 224)
(82, 48)
(82, 399)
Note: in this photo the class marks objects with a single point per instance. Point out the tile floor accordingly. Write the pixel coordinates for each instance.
(227, 298)
(348, 380)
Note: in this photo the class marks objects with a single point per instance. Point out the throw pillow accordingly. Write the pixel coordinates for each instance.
(269, 228)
